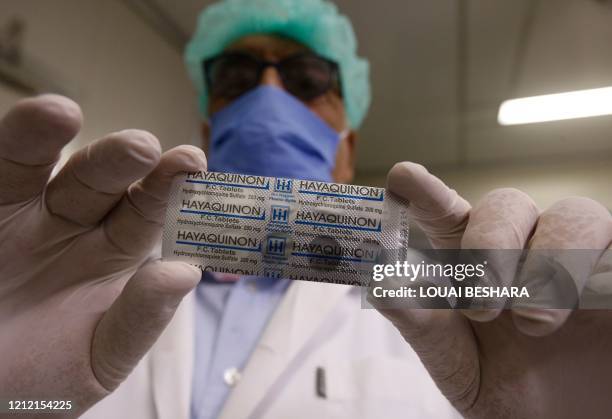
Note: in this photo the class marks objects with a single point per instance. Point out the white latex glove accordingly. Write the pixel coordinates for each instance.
(513, 363)
(77, 307)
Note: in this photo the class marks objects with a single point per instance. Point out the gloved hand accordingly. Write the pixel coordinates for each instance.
(520, 363)
(79, 306)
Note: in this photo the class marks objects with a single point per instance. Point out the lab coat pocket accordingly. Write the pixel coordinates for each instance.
(375, 387)
(368, 378)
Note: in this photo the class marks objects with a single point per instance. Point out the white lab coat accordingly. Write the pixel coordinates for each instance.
(369, 370)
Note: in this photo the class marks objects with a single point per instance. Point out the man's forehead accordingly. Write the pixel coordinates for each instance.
(267, 46)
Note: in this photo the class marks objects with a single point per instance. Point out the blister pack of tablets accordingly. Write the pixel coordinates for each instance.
(284, 228)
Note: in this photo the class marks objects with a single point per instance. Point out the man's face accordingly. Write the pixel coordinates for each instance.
(329, 106)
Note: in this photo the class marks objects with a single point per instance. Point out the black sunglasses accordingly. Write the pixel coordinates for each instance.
(305, 75)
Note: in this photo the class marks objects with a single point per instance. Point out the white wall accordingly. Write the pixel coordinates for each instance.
(123, 74)
(544, 182)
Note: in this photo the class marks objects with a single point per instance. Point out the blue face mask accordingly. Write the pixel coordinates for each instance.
(268, 132)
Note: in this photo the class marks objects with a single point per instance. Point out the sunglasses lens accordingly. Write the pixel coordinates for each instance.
(304, 76)
(307, 76)
(231, 75)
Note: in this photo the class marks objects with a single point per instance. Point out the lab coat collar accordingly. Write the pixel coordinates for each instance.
(301, 312)
(172, 360)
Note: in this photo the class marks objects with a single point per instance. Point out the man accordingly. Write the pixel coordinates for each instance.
(85, 319)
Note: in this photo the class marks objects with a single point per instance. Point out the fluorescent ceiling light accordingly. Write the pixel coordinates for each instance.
(556, 107)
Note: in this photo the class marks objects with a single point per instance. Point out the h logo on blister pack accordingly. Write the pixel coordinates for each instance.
(276, 246)
(283, 185)
(273, 273)
(280, 214)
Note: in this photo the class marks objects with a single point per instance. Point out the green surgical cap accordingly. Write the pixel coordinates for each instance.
(314, 23)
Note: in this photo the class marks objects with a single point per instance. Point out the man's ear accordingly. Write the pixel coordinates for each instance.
(346, 157)
(351, 140)
(205, 131)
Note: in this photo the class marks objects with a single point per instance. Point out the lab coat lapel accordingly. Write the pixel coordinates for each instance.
(172, 363)
(301, 312)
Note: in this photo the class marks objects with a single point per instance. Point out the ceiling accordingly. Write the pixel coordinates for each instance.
(441, 68)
